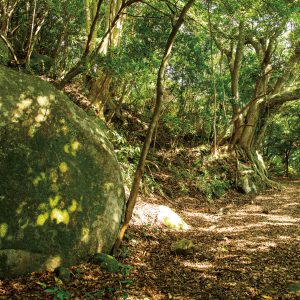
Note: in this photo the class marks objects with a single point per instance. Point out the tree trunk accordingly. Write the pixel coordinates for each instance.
(36, 26)
(246, 143)
(155, 117)
(100, 85)
(6, 12)
(286, 159)
(88, 55)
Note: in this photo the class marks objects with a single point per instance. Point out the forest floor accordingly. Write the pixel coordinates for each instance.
(246, 247)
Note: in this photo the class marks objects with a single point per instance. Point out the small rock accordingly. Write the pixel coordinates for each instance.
(220, 238)
(106, 262)
(223, 211)
(63, 274)
(170, 218)
(183, 247)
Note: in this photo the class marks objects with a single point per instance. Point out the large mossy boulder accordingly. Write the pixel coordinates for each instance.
(61, 191)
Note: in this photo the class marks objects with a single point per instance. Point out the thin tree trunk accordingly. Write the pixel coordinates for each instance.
(6, 10)
(158, 104)
(286, 165)
(100, 93)
(92, 29)
(88, 55)
(29, 50)
(10, 48)
(87, 11)
(214, 84)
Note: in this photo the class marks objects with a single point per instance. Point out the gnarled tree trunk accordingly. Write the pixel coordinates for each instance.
(249, 123)
(247, 142)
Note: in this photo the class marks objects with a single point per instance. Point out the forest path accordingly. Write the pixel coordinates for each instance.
(247, 247)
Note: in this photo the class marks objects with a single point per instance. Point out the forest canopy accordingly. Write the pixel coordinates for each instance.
(225, 74)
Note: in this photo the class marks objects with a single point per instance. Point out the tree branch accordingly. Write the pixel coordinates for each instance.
(279, 99)
(10, 48)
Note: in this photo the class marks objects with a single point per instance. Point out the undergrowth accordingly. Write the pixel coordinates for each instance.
(171, 173)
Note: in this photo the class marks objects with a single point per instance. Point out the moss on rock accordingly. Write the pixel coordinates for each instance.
(61, 192)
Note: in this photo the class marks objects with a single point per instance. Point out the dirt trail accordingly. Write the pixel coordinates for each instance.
(247, 247)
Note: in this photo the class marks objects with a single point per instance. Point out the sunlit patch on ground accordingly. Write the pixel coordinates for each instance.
(198, 266)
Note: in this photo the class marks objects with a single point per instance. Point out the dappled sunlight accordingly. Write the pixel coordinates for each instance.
(3, 229)
(250, 208)
(61, 188)
(158, 215)
(236, 228)
(278, 221)
(53, 262)
(260, 160)
(237, 244)
(293, 204)
(288, 238)
(44, 101)
(283, 219)
(199, 266)
(213, 218)
(85, 235)
(32, 111)
(276, 218)
(60, 216)
(63, 129)
(53, 210)
(41, 177)
(115, 216)
(22, 106)
(72, 147)
(154, 214)
(74, 205)
(42, 218)
(63, 167)
(237, 218)
(253, 246)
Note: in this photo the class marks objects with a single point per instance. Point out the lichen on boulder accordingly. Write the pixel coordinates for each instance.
(61, 192)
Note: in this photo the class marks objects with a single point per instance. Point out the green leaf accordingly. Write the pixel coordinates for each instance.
(42, 284)
(124, 295)
(294, 287)
(126, 282)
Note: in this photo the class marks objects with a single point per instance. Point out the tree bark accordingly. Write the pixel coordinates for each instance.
(6, 10)
(100, 85)
(36, 26)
